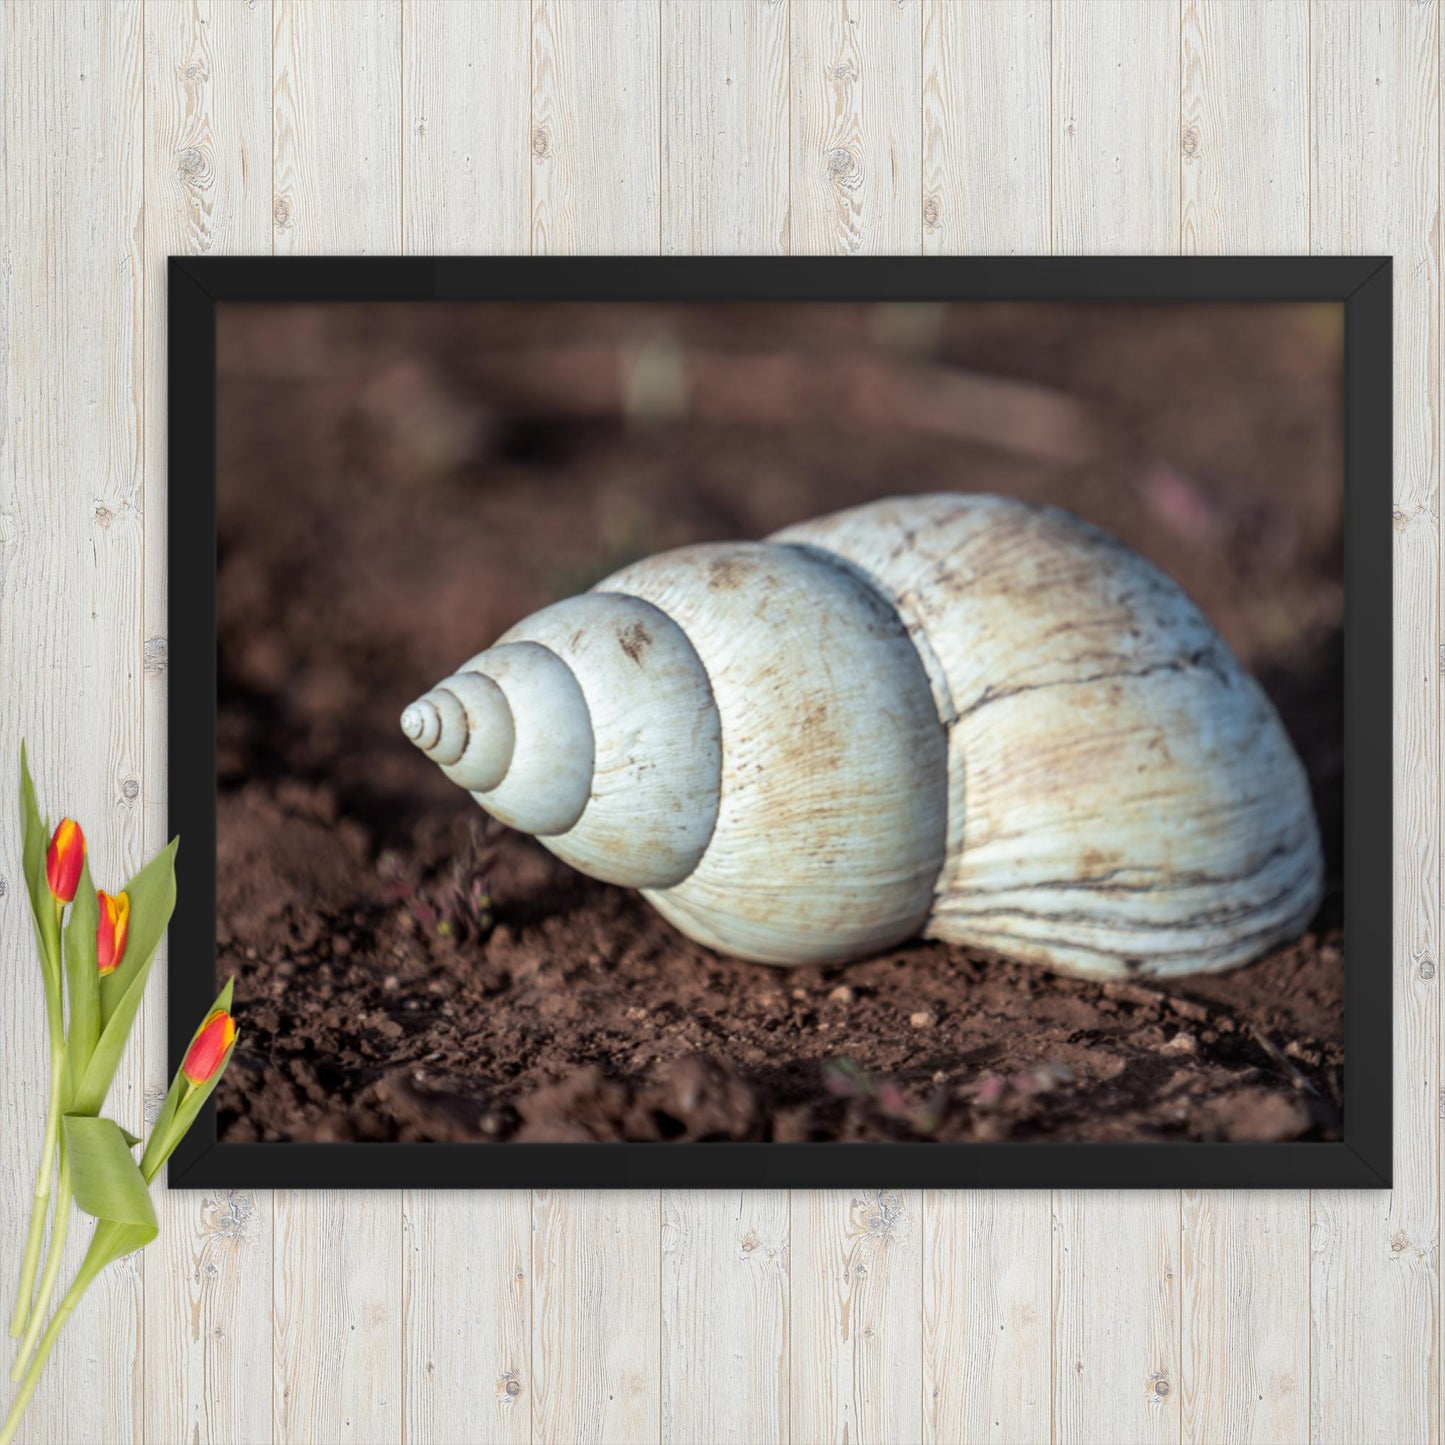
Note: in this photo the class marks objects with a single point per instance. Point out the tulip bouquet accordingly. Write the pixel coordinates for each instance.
(95, 961)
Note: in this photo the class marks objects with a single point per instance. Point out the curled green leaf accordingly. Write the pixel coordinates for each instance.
(107, 1181)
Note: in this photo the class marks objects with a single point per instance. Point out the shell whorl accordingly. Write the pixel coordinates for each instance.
(465, 726)
(833, 796)
(513, 728)
(655, 765)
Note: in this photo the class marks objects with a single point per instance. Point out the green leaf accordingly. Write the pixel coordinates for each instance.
(131, 1139)
(184, 1100)
(82, 978)
(152, 897)
(110, 1242)
(35, 832)
(108, 1184)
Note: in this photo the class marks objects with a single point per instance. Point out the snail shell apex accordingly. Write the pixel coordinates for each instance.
(961, 716)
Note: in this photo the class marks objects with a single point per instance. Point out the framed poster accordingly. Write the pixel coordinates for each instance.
(755, 722)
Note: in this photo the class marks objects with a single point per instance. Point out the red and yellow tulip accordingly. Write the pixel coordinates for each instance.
(111, 934)
(209, 1048)
(64, 859)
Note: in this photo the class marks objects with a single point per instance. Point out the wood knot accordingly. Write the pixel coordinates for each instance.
(130, 790)
(1190, 142)
(156, 655)
(842, 164)
(879, 1214)
(230, 1214)
(932, 212)
(541, 144)
(191, 162)
(281, 212)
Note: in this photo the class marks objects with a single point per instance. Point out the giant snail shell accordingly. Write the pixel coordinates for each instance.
(956, 716)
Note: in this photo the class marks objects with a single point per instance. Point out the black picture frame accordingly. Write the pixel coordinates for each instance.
(1361, 1159)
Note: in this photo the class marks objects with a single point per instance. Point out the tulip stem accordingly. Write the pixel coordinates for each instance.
(103, 1250)
(53, 1261)
(40, 1209)
(47, 1343)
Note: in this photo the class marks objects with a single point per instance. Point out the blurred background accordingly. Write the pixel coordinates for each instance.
(398, 484)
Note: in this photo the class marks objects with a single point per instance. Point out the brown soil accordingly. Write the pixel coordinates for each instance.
(398, 485)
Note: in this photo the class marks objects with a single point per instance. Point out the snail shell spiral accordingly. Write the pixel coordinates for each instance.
(957, 716)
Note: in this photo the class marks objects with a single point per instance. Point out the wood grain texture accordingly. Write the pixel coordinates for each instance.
(1375, 187)
(724, 1316)
(336, 160)
(856, 80)
(208, 190)
(596, 1291)
(596, 121)
(1244, 127)
(1116, 1316)
(466, 1317)
(1114, 144)
(131, 130)
(1245, 1256)
(336, 1319)
(987, 1367)
(465, 149)
(857, 1331)
(986, 128)
(725, 127)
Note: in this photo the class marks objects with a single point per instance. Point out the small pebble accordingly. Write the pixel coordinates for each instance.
(921, 1020)
(341, 947)
(389, 983)
(800, 993)
(841, 994)
(1181, 1043)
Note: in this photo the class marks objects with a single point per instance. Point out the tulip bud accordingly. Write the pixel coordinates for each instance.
(64, 860)
(210, 1047)
(110, 936)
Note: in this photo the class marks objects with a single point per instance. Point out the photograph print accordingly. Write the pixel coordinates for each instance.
(674, 722)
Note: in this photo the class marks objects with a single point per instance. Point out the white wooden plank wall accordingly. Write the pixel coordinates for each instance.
(141, 128)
